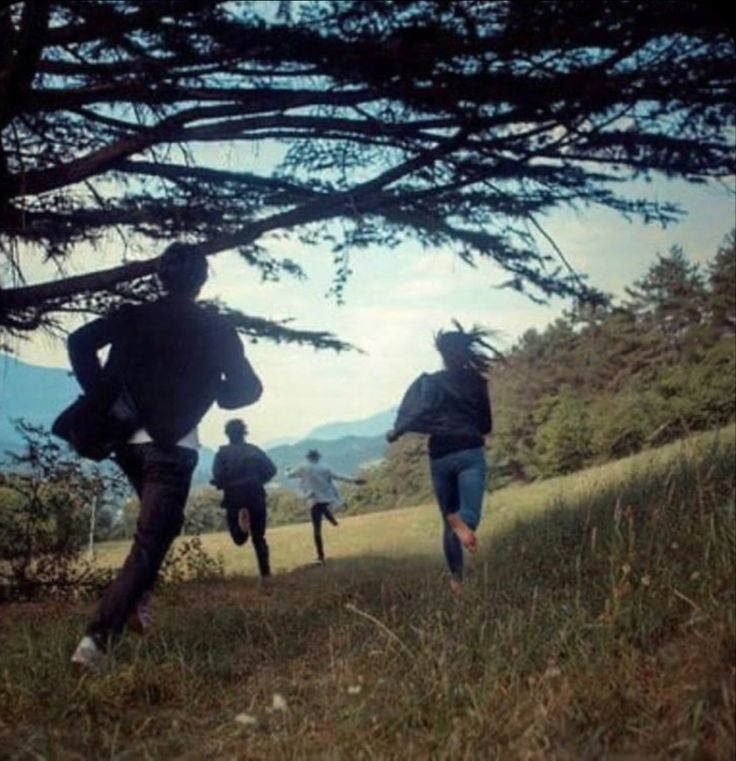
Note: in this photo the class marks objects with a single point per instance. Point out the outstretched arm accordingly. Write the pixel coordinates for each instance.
(346, 479)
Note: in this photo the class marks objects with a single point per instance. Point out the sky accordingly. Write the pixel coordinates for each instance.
(397, 299)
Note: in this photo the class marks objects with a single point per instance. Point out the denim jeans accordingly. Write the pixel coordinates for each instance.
(459, 480)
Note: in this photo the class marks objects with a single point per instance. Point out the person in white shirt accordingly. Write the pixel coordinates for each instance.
(317, 485)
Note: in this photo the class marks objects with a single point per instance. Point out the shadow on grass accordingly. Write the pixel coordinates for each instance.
(586, 588)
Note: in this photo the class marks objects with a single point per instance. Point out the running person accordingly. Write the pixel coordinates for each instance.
(241, 469)
(453, 407)
(317, 485)
(169, 360)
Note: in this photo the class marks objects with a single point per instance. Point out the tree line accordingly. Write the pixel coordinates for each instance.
(602, 382)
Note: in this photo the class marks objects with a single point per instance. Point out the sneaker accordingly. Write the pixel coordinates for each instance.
(140, 620)
(89, 655)
(244, 520)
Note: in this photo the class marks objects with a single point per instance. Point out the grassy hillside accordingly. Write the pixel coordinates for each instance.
(598, 622)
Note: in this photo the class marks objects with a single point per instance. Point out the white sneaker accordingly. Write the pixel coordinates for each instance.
(89, 654)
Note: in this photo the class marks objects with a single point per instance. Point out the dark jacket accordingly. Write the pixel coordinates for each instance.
(173, 358)
(448, 403)
(239, 464)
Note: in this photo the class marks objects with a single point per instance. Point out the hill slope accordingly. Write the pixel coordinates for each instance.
(597, 623)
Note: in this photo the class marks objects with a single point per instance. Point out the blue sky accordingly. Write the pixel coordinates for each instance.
(398, 298)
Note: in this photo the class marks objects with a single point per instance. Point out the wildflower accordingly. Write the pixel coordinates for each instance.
(246, 719)
(279, 703)
(645, 581)
(695, 575)
(354, 689)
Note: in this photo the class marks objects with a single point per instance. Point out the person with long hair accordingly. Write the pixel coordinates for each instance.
(241, 470)
(453, 407)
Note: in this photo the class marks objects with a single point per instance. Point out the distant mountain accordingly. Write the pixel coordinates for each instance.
(375, 425)
(38, 394)
(344, 455)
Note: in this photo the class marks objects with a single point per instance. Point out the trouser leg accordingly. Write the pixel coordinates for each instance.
(328, 514)
(165, 485)
(444, 481)
(471, 482)
(317, 528)
(258, 519)
(237, 534)
(453, 550)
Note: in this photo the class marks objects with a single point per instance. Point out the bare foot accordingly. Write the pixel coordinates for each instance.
(464, 533)
(456, 586)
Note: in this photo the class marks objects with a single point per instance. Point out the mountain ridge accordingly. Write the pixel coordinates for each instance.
(37, 394)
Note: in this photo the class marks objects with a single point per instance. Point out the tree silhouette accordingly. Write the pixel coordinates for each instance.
(453, 123)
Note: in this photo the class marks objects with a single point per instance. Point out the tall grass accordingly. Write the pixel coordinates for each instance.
(598, 621)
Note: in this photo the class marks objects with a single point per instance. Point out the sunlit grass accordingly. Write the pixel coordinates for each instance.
(598, 622)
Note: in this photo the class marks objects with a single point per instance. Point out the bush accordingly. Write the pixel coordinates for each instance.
(45, 504)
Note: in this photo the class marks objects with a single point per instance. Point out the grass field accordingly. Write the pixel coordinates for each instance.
(598, 622)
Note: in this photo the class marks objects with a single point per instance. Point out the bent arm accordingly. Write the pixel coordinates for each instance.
(218, 469)
(266, 467)
(239, 386)
(82, 346)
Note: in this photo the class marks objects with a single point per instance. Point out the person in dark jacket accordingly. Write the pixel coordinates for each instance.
(241, 470)
(169, 360)
(453, 407)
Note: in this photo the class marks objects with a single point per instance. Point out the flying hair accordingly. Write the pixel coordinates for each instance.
(466, 349)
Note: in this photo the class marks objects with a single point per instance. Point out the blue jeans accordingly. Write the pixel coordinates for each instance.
(459, 481)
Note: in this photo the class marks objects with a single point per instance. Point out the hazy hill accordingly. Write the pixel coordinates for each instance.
(35, 393)
(38, 394)
(344, 455)
(375, 425)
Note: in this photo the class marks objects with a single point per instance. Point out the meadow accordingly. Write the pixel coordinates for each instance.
(597, 622)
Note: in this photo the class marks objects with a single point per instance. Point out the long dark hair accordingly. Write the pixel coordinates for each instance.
(462, 349)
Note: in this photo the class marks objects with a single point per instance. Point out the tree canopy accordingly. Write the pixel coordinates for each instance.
(458, 124)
